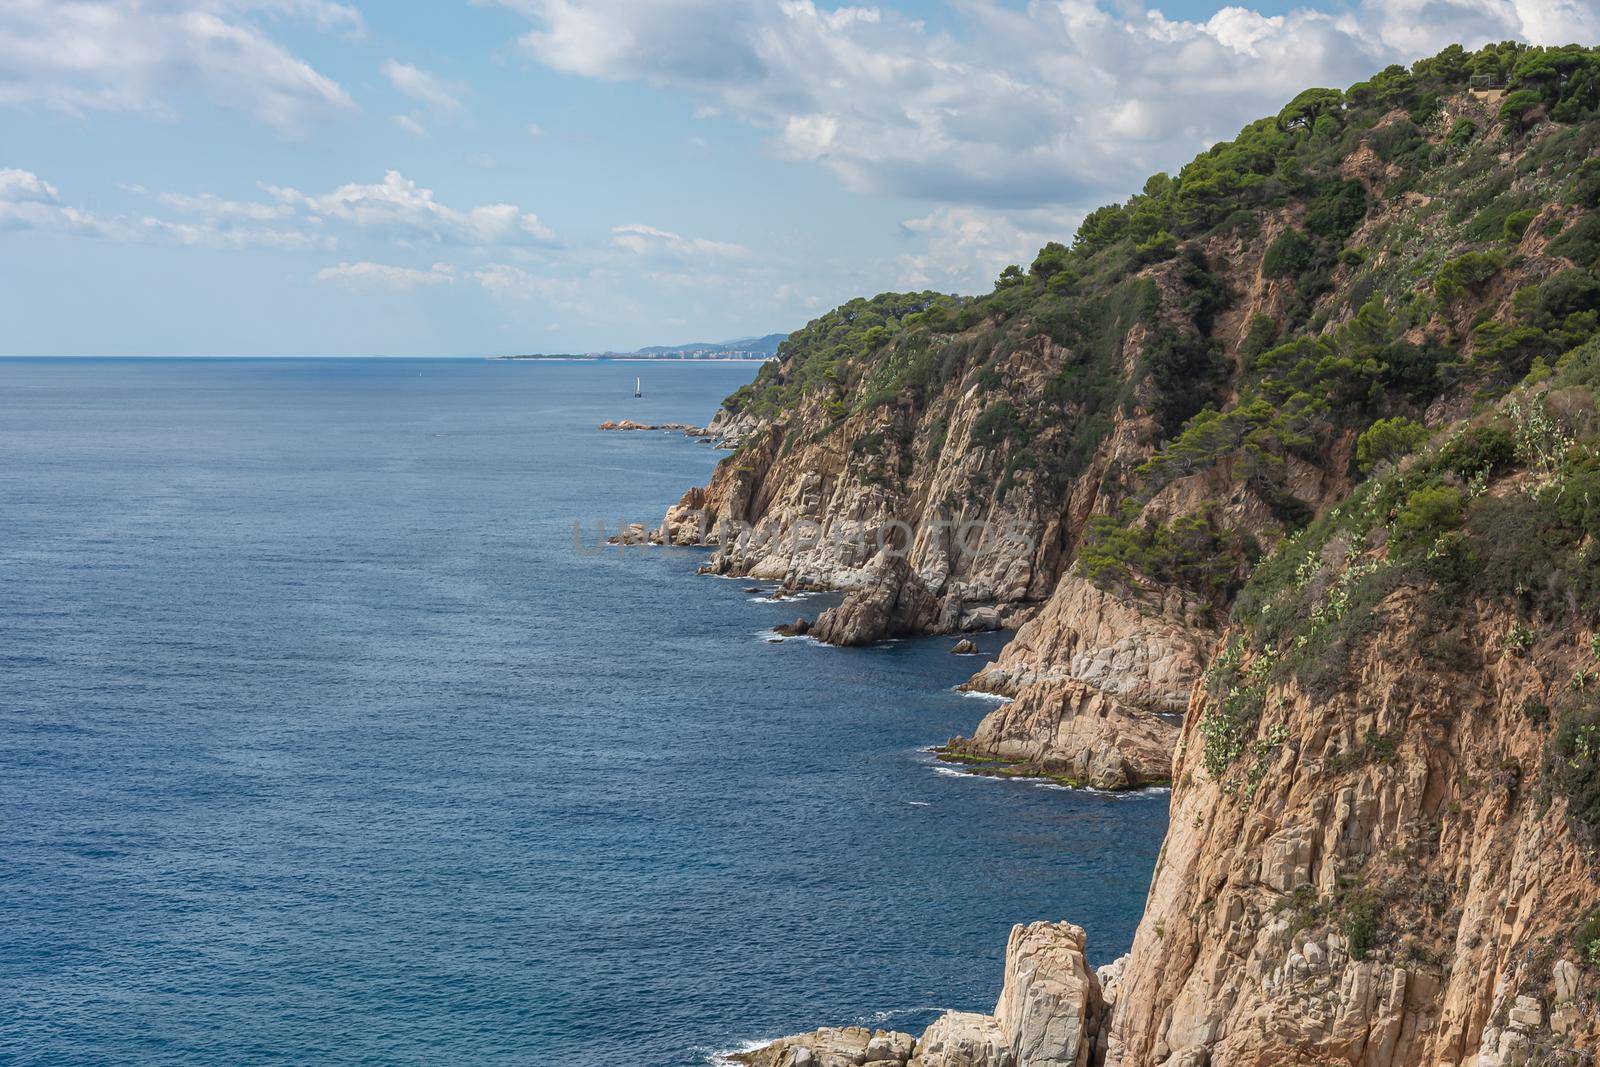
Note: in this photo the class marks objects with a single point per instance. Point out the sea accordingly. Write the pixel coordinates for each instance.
(331, 734)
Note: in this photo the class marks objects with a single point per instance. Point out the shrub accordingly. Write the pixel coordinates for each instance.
(1287, 256)
(1569, 292)
(999, 422)
(1481, 452)
(1191, 553)
(1586, 943)
(1362, 913)
(1585, 190)
(1516, 225)
(1580, 243)
(1428, 512)
(1387, 440)
(1465, 273)
(1572, 764)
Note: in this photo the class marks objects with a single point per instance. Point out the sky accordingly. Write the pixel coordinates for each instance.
(469, 177)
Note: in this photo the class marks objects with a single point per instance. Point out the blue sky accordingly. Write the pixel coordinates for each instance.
(318, 177)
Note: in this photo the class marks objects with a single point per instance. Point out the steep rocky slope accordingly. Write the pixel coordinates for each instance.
(1382, 848)
(1100, 450)
(1295, 466)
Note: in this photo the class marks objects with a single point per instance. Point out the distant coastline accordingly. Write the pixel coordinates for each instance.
(620, 357)
(739, 350)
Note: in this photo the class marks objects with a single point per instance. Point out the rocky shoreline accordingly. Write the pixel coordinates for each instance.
(1050, 1013)
(1291, 505)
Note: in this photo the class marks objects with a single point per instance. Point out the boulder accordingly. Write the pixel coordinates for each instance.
(964, 1039)
(964, 647)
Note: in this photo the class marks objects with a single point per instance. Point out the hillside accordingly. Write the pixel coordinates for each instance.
(1286, 471)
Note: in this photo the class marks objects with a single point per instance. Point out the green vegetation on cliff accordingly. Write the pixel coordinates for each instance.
(1300, 314)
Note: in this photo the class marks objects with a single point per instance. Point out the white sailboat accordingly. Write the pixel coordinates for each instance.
(638, 388)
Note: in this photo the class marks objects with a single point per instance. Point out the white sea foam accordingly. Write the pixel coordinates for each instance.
(720, 1057)
(899, 1013)
(993, 698)
(953, 773)
(774, 637)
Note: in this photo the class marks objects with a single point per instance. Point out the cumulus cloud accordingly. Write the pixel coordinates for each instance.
(1053, 102)
(649, 241)
(137, 55)
(399, 209)
(384, 276)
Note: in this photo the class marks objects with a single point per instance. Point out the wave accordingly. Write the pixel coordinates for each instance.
(720, 1057)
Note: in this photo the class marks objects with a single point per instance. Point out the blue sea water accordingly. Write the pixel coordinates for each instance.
(321, 743)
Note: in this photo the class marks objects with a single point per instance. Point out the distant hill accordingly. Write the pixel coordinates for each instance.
(739, 348)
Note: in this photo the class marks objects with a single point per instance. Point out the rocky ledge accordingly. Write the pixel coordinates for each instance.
(664, 427)
(1049, 1015)
(725, 430)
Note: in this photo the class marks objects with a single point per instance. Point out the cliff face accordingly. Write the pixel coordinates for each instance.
(1382, 848)
(1392, 883)
(1297, 463)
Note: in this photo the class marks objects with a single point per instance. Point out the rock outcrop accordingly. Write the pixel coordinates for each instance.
(1099, 684)
(723, 431)
(1049, 1015)
(1069, 730)
(851, 1046)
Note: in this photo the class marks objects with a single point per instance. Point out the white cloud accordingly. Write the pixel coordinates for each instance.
(382, 275)
(433, 94)
(128, 55)
(419, 85)
(324, 14)
(28, 202)
(647, 240)
(396, 210)
(25, 187)
(399, 209)
(965, 248)
(411, 125)
(210, 206)
(1055, 102)
(535, 130)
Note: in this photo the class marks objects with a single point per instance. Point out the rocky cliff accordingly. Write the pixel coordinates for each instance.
(1288, 473)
